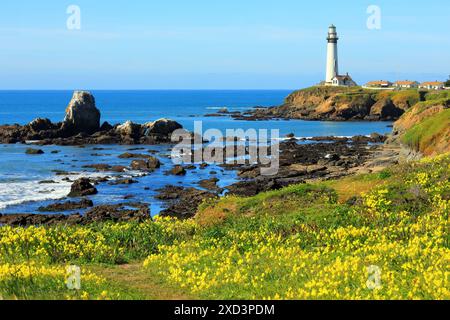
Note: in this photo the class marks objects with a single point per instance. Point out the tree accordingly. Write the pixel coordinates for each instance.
(447, 83)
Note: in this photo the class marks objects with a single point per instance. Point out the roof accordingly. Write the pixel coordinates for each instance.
(379, 82)
(432, 83)
(340, 77)
(405, 83)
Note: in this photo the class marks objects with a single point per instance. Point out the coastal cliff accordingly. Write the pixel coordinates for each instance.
(341, 104)
(424, 130)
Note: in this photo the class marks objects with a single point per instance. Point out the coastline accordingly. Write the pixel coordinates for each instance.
(104, 147)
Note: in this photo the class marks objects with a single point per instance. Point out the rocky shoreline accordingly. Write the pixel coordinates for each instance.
(81, 126)
(335, 104)
(317, 158)
(324, 158)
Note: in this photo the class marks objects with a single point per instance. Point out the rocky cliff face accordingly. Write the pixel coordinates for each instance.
(424, 129)
(340, 104)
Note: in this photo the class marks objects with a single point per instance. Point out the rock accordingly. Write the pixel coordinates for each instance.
(332, 157)
(40, 124)
(177, 171)
(128, 155)
(210, 184)
(34, 151)
(24, 220)
(123, 181)
(161, 127)
(81, 115)
(182, 202)
(98, 167)
(119, 168)
(150, 164)
(67, 206)
(115, 213)
(47, 182)
(377, 138)
(82, 187)
(129, 129)
(385, 109)
(118, 213)
(290, 135)
(335, 104)
(106, 126)
(361, 139)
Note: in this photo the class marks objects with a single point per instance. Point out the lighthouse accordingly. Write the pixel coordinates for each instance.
(332, 55)
(332, 75)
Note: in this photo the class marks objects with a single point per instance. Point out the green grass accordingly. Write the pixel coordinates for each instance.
(422, 135)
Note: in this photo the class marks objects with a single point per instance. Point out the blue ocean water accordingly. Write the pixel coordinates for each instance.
(21, 192)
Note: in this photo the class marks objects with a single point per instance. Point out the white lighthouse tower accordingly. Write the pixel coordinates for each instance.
(332, 55)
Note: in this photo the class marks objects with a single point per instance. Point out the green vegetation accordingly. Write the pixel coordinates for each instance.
(429, 132)
(308, 241)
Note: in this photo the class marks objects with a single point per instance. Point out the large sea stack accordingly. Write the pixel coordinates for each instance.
(82, 115)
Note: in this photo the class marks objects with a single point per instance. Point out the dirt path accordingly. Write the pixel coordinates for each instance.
(134, 278)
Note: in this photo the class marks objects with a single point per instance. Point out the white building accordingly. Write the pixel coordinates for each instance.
(379, 84)
(407, 84)
(332, 77)
(345, 81)
(432, 85)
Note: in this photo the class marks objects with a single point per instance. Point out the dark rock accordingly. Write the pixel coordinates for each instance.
(82, 187)
(182, 202)
(98, 167)
(177, 171)
(128, 155)
(385, 109)
(39, 124)
(115, 213)
(34, 151)
(377, 138)
(67, 206)
(23, 220)
(47, 182)
(290, 135)
(118, 213)
(106, 126)
(123, 181)
(81, 115)
(119, 168)
(161, 127)
(150, 164)
(211, 185)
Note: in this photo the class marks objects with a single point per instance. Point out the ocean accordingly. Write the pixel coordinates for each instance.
(21, 174)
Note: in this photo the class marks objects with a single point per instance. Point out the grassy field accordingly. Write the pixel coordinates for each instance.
(373, 236)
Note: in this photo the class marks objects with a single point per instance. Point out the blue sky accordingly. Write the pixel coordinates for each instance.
(197, 44)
